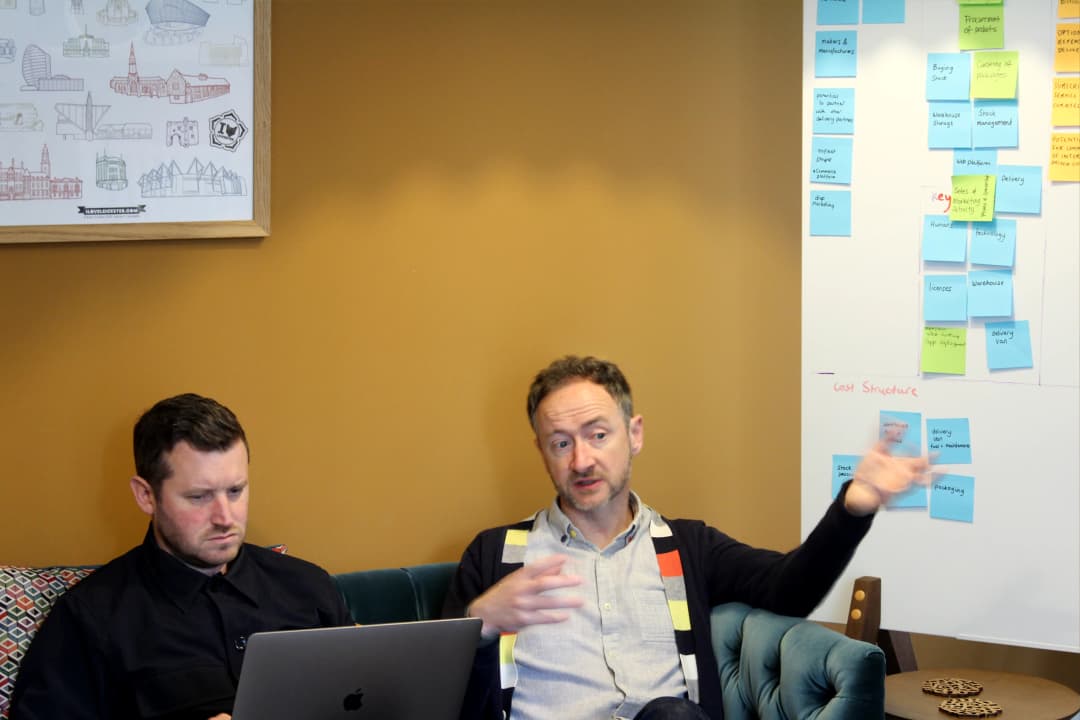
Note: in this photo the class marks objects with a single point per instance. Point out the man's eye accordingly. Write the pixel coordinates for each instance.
(236, 491)
(562, 444)
(197, 497)
(600, 435)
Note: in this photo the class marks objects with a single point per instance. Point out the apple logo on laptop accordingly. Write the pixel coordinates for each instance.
(354, 700)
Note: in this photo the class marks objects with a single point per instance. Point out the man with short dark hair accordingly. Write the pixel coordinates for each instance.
(599, 603)
(160, 631)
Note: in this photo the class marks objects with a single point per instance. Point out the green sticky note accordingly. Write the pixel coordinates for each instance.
(944, 350)
(972, 198)
(982, 27)
(994, 75)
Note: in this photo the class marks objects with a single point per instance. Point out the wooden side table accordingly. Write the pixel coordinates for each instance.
(1021, 697)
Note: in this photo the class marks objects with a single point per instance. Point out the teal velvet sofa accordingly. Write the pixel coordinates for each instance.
(771, 667)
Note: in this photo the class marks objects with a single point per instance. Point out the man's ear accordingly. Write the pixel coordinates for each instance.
(144, 495)
(636, 428)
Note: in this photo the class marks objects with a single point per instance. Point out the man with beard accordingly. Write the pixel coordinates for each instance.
(160, 631)
(601, 605)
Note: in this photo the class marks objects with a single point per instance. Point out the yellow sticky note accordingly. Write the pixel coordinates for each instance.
(1066, 110)
(944, 350)
(994, 75)
(982, 27)
(1065, 157)
(1069, 8)
(972, 198)
(517, 537)
(1067, 48)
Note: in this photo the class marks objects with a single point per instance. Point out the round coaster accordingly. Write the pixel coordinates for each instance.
(969, 707)
(951, 687)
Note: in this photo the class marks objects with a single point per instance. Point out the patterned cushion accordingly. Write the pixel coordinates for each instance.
(26, 596)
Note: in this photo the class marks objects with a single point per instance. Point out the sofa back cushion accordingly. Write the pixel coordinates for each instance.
(26, 596)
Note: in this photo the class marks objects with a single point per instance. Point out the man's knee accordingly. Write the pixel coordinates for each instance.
(670, 708)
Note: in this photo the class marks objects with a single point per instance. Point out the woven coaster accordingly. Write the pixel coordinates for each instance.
(952, 687)
(969, 707)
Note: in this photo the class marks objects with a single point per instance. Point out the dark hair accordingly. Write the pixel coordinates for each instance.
(201, 422)
(603, 373)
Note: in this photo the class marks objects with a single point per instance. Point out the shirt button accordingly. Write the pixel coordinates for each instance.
(240, 643)
(607, 606)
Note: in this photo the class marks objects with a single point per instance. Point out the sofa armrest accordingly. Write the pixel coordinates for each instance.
(404, 594)
(773, 666)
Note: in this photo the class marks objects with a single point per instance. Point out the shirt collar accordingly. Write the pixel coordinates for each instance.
(181, 584)
(568, 534)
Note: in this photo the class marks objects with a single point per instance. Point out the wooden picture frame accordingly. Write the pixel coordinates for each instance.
(258, 225)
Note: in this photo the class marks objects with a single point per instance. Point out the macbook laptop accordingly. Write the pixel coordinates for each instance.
(394, 671)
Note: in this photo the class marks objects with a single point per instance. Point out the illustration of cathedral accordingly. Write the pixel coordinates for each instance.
(20, 183)
(117, 12)
(178, 87)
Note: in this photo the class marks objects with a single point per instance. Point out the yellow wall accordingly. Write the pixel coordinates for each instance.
(461, 192)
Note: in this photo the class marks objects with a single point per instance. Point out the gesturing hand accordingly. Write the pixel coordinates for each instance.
(880, 475)
(519, 599)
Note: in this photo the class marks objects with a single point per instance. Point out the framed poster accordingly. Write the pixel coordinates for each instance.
(121, 120)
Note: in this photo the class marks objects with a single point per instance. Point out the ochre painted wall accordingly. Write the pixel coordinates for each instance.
(461, 192)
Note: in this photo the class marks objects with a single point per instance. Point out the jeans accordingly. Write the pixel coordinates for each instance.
(670, 708)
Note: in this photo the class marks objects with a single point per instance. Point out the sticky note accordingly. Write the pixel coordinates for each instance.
(996, 124)
(943, 240)
(835, 53)
(834, 111)
(949, 125)
(973, 198)
(952, 497)
(945, 298)
(1066, 104)
(990, 293)
(902, 430)
(1067, 48)
(974, 162)
(994, 243)
(878, 12)
(1068, 8)
(948, 76)
(830, 160)
(1008, 345)
(843, 469)
(981, 27)
(913, 497)
(944, 350)
(1064, 157)
(948, 441)
(1019, 189)
(830, 212)
(994, 75)
(838, 12)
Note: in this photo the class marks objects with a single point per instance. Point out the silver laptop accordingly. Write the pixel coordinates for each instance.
(394, 671)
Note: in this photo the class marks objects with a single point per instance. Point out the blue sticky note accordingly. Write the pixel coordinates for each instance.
(913, 497)
(1019, 189)
(830, 160)
(944, 298)
(830, 212)
(843, 469)
(834, 111)
(1008, 345)
(949, 441)
(835, 53)
(996, 124)
(943, 240)
(948, 76)
(994, 243)
(883, 11)
(990, 293)
(974, 162)
(952, 497)
(903, 430)
(838, 12)
(949, 125)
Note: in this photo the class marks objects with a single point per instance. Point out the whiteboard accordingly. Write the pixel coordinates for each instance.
(1012, 574)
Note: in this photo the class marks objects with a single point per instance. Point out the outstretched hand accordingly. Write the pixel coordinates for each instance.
(880, 475)
(519, 599)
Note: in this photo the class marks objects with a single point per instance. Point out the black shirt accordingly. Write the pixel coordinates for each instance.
(146, 636)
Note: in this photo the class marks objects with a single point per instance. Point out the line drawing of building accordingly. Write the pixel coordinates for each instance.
(117, 12)
(75, 7)
(178, 87)
(20, 117)
(37, 72)
(21, 183)
(173, 22)
(7, 50)
(83, 120)
(86, 46)
(8, 4)
(200, 180)
(111, 172)
(37, 7)
(233, 53)
(184, 133)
